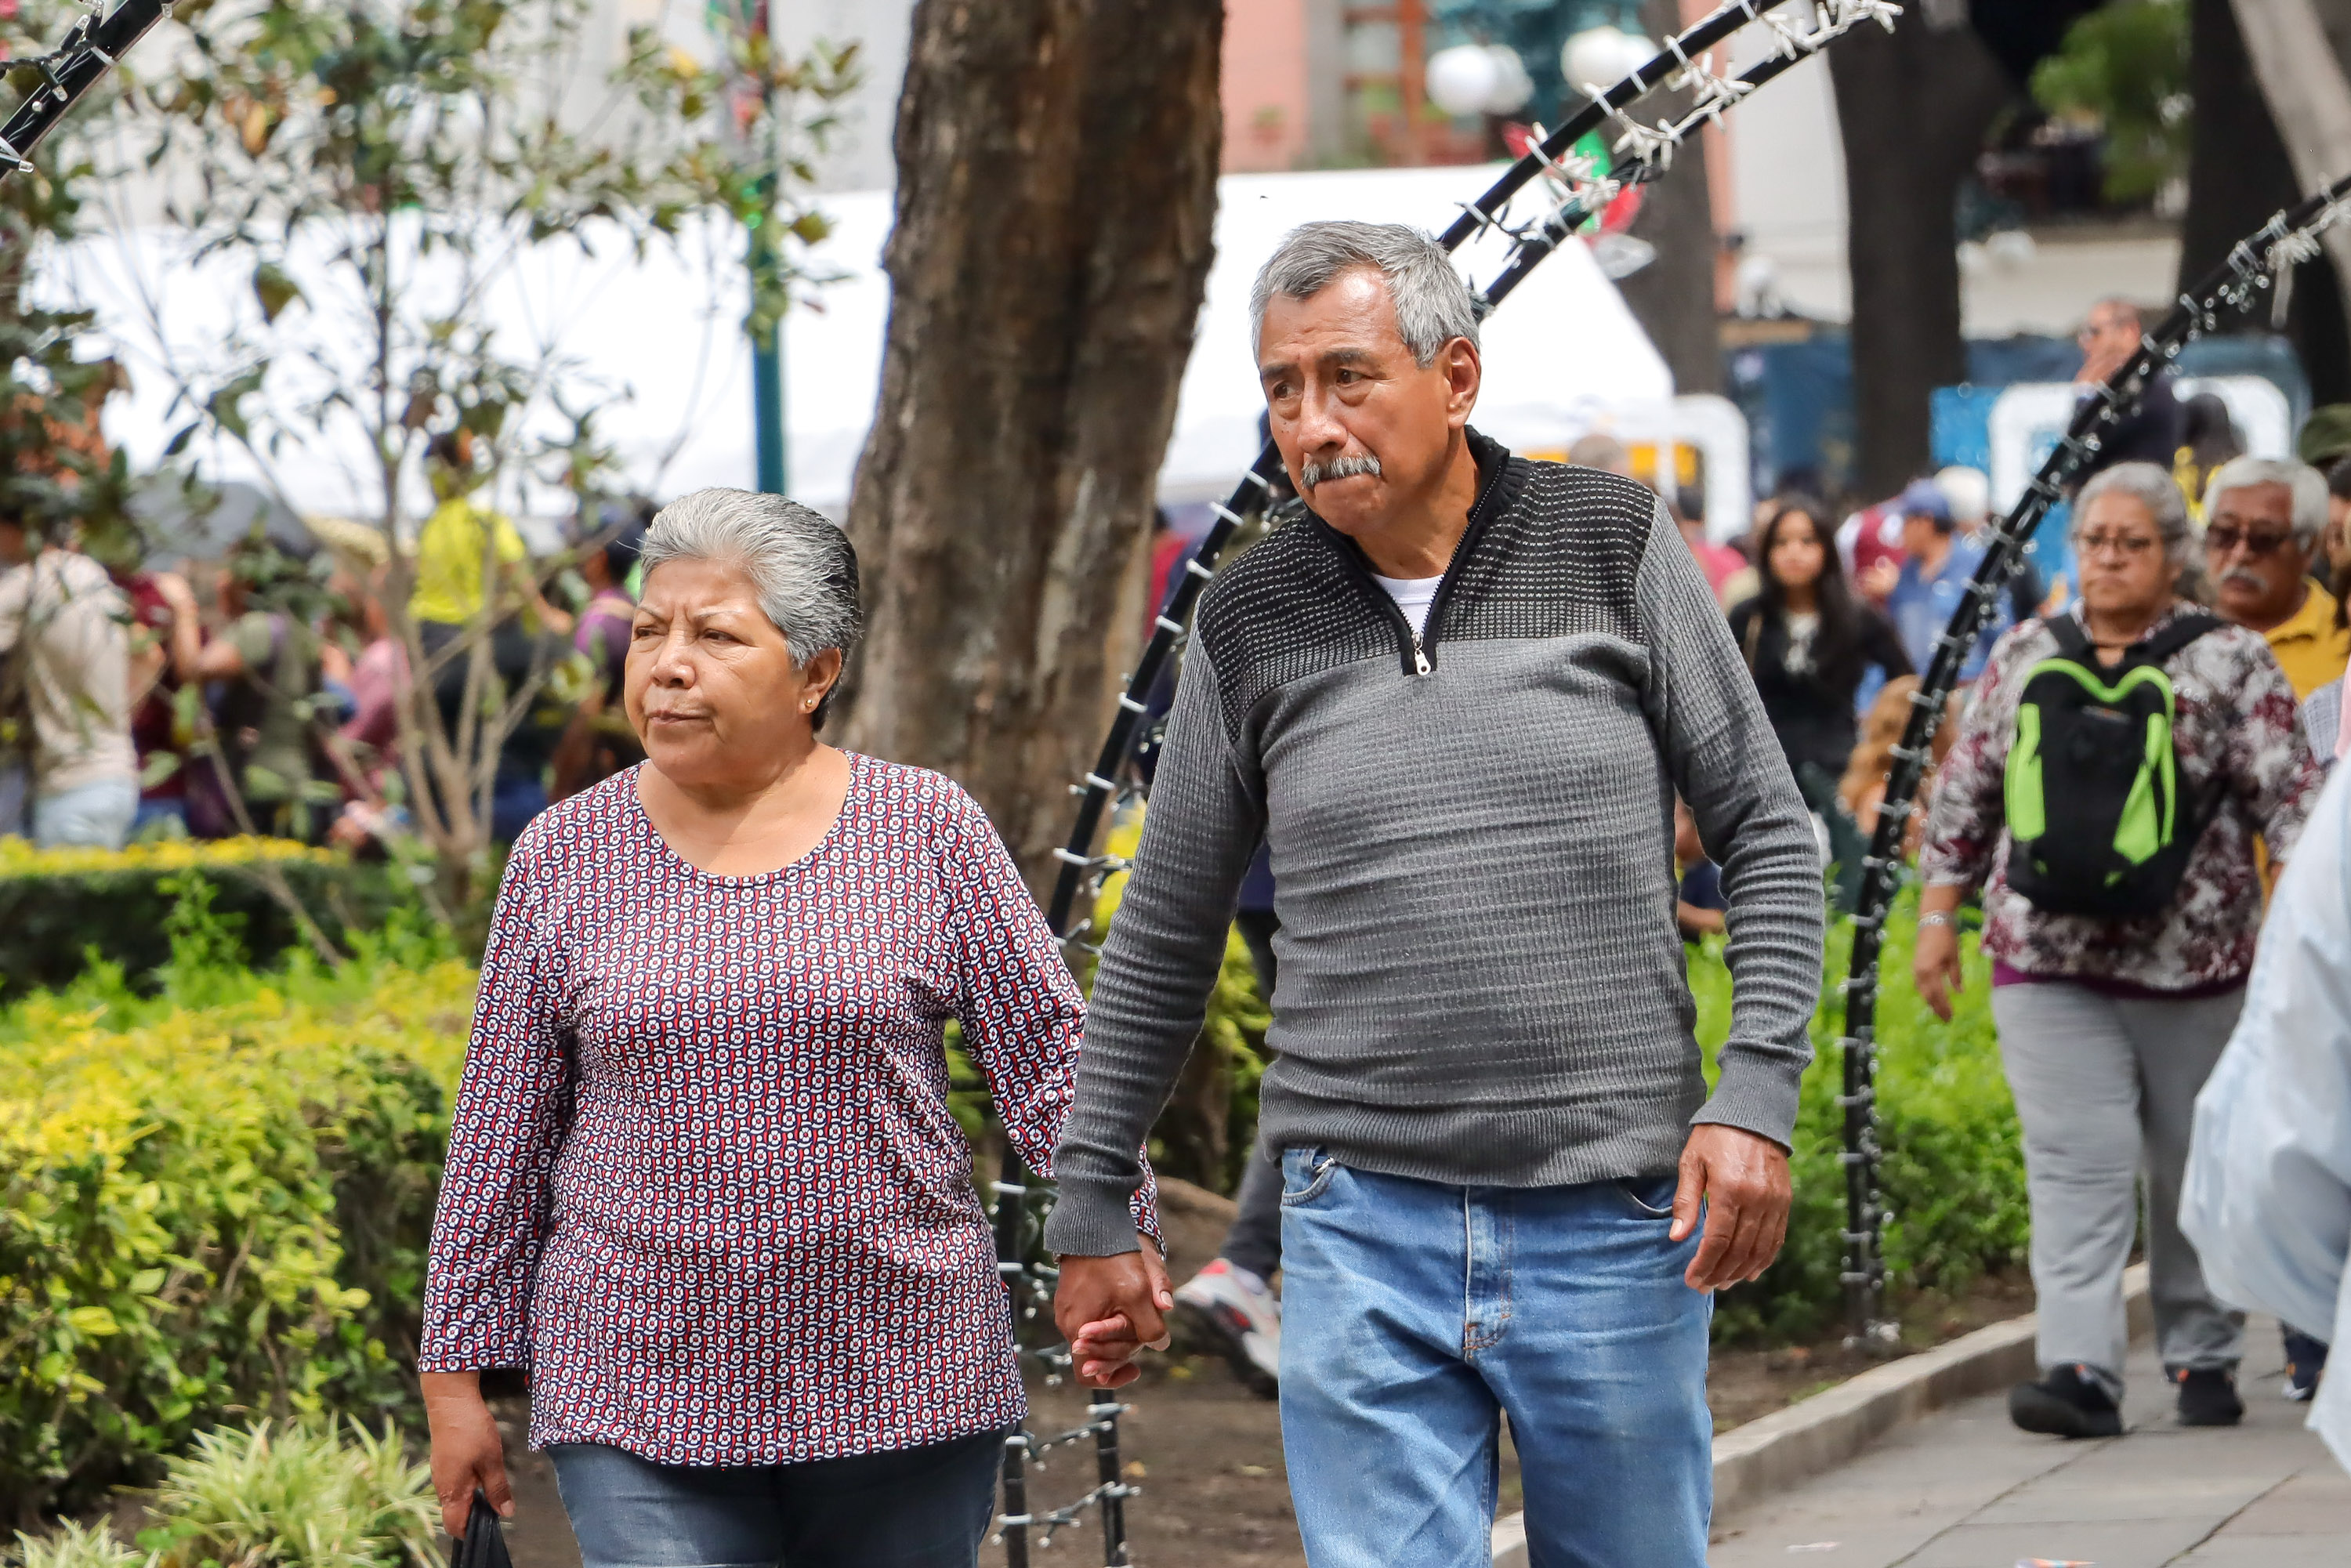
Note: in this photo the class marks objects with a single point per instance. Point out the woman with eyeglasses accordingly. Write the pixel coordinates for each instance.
(2109, 1021)
(1809, 642)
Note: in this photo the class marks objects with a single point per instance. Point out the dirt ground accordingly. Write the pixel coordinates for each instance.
(1207, 1453)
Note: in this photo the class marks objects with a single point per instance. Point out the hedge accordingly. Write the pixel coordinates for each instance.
(213, 1201)
(59, 906)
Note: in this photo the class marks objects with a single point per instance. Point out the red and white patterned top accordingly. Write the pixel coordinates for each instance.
(702, 1178)
(2239, 737)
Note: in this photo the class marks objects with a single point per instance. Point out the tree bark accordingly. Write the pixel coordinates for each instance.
(2238, 175)
(1057, 166)
(1913, 105)
(2309, 100)
(1672, 297)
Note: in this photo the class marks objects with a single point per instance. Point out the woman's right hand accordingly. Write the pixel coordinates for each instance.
(1935, 966)
(468, 1451)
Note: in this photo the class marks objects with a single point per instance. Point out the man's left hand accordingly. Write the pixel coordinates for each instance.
(1743, 1179)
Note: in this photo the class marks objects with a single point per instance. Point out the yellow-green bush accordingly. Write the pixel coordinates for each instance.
(213, 1201)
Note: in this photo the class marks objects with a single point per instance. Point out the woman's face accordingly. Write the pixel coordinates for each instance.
(709, 686)
(1797, 554)
(2338, 532)
(2120, 552)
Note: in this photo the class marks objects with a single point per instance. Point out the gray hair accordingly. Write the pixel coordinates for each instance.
(2306, 484)
(2152, 485)
(1433, 305)
(800, 566)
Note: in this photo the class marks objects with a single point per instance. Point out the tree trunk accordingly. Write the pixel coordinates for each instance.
(1672, 297)
(1057, 166)
(1913, 105)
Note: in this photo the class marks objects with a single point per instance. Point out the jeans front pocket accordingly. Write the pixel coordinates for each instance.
(1306, 1175)
(1650, 1196)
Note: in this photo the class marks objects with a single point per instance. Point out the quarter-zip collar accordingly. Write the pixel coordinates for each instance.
(1496, 488)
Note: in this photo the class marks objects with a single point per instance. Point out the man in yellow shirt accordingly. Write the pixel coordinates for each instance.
(457, 539)
(2264, 532)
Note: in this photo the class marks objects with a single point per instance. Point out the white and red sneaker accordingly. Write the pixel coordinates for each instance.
(1238, 1310)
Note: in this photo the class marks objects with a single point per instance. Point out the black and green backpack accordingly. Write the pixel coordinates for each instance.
(2097, 819)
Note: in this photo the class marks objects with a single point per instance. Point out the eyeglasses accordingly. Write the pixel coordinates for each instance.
(2221, 539)
(2130, 546)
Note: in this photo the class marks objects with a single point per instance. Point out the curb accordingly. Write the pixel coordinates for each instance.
(1776, 1452)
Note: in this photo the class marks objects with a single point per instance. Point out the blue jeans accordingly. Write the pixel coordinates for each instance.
(1413, 1314)
(916, 1508)
(95, 816)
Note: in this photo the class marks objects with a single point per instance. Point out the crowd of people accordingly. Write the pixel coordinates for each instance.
(279, 699)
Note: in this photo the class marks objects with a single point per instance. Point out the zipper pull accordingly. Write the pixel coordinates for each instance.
(1419, 658)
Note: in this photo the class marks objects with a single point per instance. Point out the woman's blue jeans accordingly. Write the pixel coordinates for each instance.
(916, 1508)
(1413, 1314)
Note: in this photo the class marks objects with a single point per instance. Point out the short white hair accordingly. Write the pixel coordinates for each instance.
(1433, 305)
(800, 565)
(1967, 491)
(2307, 486)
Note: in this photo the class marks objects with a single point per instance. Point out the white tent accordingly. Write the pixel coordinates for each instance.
(653, 338)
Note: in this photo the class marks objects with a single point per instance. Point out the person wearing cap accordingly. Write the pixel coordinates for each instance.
(1923, 592)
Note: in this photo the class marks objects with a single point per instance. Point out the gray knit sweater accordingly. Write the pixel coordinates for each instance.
(1481, 982)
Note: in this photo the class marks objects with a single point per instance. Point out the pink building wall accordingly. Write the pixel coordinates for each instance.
(1267, 108)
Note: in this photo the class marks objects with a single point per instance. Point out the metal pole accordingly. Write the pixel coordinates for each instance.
(768, 394)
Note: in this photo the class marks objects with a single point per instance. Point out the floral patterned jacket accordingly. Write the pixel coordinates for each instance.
(2236, 734)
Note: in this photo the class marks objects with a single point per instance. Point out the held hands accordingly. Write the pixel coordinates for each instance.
(1110, 1309)
(1743, 1178)
(466, 1449)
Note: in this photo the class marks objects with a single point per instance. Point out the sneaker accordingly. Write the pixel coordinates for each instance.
(2207, 1397)
(1236, 1310)
(2068, 1402)
(2305, 1359)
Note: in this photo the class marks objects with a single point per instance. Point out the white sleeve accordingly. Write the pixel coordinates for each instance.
(2267, 1199)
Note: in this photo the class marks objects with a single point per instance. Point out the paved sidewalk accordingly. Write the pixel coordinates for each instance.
(1965, 1489)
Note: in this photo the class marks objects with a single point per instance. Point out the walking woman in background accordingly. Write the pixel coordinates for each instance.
(2110, 780)
(1809, 642)
(702, 1181)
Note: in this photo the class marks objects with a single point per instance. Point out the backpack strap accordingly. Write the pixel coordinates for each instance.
(2073, 642)
(2159, 648)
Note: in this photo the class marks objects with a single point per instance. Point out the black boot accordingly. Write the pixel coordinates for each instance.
(2067, 1403)
(2207, 1397)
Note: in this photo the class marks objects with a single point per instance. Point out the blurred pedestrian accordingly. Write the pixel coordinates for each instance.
(1808, 644)
(2208, 439)
(2152, 432)
(1719, 564)
(2267, 1198)
(2109, 778)
(261, 771)
(597, 741)
(1869, 543)
(457, 539)
(1602, 451)
(67, 626)
(1861, 792)
(2264, 527)
(1922, 593)
(1455, 701)
(702, 1177)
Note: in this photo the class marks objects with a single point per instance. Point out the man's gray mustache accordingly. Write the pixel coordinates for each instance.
(2244, 579)
(1360, 466)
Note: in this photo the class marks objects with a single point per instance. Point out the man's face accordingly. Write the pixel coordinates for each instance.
(2110, 333)
(1364, 431)
(2250, 550)
(1920, 537)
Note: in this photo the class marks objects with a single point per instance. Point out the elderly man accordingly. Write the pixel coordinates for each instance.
(65, 658)
(2152, 432)
(2265, 533)
(1456, 702)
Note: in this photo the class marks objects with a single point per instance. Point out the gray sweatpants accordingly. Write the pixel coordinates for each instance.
(2106, 1089)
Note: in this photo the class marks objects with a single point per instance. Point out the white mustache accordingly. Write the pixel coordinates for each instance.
(1361, 464)
(2244, 579)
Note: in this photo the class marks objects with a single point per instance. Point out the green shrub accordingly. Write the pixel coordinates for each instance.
(296, 1497)
(75, 1545)
(214, 1199)
(1952, 1175)
(59, 906)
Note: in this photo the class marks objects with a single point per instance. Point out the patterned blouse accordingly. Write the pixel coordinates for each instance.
(703, 1180)
(2237, 731)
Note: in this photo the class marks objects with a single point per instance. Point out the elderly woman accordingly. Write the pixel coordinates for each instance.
(2118, 967)
(702, 1181)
